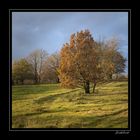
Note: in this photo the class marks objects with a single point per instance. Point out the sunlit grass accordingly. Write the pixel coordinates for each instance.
(50, 106)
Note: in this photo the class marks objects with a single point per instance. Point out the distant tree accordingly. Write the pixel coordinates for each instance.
(117, 58)
(119, 62)
(50, 68)
(109, 60)
(112, 54)
(37, 60)
(21, 70)
(84, 61)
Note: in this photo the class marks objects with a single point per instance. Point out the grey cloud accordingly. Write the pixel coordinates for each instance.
(49, 30)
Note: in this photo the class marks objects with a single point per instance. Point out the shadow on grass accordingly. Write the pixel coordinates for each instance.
(34, 89)
(51, 98)
(111, 120)
(21, 92)
(112, 93)
(106, 120)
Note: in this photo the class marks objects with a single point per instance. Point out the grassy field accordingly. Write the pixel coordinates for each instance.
(50, 106)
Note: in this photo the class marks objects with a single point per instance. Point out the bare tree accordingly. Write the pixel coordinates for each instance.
(50, 68)
(37, 60)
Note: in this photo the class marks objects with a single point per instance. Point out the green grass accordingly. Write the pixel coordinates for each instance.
(50, 106)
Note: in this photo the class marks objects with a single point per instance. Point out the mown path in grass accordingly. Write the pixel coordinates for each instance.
(50, 106)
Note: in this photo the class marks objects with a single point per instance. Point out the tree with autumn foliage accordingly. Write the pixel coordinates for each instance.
(84, 61)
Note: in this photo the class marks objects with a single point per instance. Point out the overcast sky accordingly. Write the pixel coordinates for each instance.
(50, 30)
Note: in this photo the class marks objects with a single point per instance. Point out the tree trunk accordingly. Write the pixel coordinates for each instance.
(110, 76)
(39, 80)
(58, 81)
(35, 73)
(87, 87)
(35, 80)
(94, 86)
(22, 81)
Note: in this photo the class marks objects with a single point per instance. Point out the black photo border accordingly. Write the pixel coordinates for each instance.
(114, 130)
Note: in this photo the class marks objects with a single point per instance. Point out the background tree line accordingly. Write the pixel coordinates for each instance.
(38, 67)
(81, 62)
